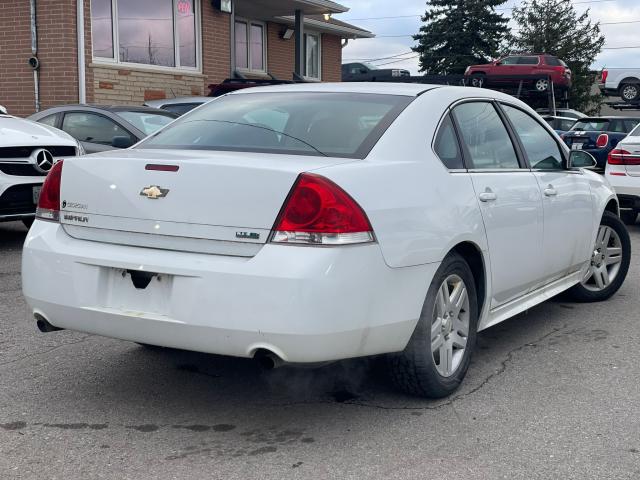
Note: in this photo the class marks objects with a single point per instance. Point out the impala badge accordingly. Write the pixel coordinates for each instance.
(154, 192)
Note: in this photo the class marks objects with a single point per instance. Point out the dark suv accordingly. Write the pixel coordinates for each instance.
(533, 64)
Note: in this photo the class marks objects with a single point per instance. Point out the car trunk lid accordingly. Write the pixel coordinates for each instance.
(202, 201)
(632, 165)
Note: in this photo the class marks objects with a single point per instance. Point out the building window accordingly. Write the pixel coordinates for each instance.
(147, 32)
(250, 43)
(312, 66)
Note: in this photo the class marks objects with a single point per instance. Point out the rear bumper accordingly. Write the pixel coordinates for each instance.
(304, 304)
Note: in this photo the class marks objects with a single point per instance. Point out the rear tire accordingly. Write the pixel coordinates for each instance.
(434, 362)
(609, 262)
(629, 217)
(542, 85)
(478, 80)
(630, 92)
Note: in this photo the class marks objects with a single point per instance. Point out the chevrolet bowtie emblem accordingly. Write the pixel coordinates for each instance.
(154, 192)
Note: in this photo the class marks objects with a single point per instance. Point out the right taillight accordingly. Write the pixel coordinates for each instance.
(622, 157)
(602, 141)
(49, 201)
(319, 212)
(605, 74)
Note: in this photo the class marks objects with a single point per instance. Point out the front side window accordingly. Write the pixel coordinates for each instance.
(93, 128)
(249, 45)
(446, 145)
(147, 32)
(485, 137)
(541, 148)
(318, 124)
(50, 120)
(312, 47)
(509, 61)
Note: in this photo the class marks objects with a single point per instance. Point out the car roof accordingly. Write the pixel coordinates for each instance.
(380, 88)
(607, 118)
(106, 108)
(177, 100)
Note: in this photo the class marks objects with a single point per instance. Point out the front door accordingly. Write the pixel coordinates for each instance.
(566, 196)
(509, 199)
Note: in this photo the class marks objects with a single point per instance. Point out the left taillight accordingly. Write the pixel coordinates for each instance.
(319, 212)
(49, 201)
(602, 141)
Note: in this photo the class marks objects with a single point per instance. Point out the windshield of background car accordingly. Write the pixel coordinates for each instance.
(591, 125)
(146, 122)
(296, 123)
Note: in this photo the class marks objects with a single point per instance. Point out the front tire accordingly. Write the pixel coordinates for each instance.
(609, 262)
(437, 357)
(542, 85)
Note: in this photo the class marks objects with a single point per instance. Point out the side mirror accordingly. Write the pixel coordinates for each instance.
(364, 70)
(581, 159)
(3, 111)
(121, 142)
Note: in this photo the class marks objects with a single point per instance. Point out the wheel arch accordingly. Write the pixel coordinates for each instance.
(474, 257)
(628, 80)
(612, 207)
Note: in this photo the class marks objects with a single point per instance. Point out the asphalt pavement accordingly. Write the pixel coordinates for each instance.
(551, 394)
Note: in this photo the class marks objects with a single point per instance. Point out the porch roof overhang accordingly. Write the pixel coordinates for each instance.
(332, 26)
(267, 9)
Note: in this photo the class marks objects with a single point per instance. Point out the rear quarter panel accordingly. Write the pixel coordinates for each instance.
(418, 209)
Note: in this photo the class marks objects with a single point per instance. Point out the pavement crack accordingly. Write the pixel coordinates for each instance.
(39, 354)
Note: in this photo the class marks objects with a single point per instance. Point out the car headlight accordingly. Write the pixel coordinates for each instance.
(79, 149)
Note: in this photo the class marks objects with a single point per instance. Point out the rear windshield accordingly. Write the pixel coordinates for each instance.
(298, 123)
(146, 122)
(591, 125)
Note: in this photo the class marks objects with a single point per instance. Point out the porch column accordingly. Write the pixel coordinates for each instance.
(300, 51)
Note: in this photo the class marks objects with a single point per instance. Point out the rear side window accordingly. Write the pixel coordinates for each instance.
(553, 61)
(345, 125)
(49, 120)
(541, 148)
(629, 125)
(93, 128)
(446, 145)
(485, 137)
(528, 61)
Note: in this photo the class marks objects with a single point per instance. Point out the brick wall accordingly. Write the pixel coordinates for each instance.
(125, 86)
(280, 53)
(331, 58)
(16, 78)
(216, 44)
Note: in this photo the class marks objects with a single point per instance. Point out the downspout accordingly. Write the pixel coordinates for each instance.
(34, 52)
(82, 80)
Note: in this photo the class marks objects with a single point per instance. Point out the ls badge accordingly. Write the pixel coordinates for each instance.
(154, 192)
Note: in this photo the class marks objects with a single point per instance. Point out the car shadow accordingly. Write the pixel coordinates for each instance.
(12, 235)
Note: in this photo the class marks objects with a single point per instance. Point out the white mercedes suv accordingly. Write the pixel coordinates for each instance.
(28, 151)
(623, 172)
(315, 222)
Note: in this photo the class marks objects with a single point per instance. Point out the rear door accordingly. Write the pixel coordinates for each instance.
(566, 197)
(509, 199)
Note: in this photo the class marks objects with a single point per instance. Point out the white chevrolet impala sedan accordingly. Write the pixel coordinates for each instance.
(316, 222)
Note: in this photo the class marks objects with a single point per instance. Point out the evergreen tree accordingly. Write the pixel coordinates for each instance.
(458, 33)
(554, 26)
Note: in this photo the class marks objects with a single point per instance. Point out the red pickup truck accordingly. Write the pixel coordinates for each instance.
(532, 64)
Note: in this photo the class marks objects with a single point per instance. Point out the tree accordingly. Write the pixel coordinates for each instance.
(458, 33)
(554, 26)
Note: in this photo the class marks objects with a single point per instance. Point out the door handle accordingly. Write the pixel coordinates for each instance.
(550, 191)
(487, 196)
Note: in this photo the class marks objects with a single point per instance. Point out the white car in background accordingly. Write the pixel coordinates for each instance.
(315, 222)
(623, 172)
(28, 151)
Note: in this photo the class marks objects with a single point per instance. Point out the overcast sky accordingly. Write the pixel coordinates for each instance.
(393, 34)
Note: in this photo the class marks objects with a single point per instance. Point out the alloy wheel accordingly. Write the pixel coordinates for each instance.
(450, 325)
(630, 92)
(605, 260)
(542, 85)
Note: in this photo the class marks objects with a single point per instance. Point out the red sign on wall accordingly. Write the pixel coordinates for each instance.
(184, 7)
